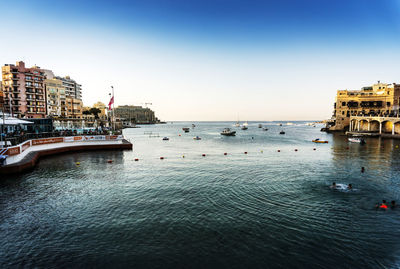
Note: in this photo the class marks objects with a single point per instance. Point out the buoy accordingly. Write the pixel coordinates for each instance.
(136, 159)
(245, 152)
(109, 161)
(314, 149)
(295, 149)
(279, 150)
(225, 153)
(77, 163)
(203, 155)
(161, 158)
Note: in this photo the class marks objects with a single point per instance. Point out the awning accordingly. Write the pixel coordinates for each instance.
(13, 121)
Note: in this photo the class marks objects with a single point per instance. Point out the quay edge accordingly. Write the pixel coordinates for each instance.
(32, 158)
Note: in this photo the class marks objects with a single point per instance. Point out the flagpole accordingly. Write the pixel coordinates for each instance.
(113, 104)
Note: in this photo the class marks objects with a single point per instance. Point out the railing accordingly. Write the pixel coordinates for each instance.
(18, 139)
(3, 151)
(18, 149)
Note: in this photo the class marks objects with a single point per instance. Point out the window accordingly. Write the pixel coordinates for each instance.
(342, 112)
(343, 103)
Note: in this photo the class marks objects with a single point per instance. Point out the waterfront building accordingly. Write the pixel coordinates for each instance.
(136, 114)
(378, 100)
(74, 108)
(23, 91)
(55, 98)
(72, 88)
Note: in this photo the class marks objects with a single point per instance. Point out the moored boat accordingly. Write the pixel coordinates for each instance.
(244, 127)
(265, 129)
(357, 140)
(185, 129)
(317, 140)
(197, 138)
(165, 138)
(260, 125)
(281, 132)
(228, 132)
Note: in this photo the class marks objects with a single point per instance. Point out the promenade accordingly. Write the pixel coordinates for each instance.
(25, 156)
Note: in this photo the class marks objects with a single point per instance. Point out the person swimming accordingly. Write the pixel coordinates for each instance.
(383, 205)
(349, 187)
(333, 186)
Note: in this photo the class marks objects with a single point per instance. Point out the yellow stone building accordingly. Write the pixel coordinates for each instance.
(55, 98)
(380, 99)
(73, 108)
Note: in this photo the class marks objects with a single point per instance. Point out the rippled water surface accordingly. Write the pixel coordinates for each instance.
(263, 209)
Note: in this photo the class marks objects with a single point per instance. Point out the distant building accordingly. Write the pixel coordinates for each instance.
(74, 108)
(55, 98)
(103, 112)
(72, 88)
(23, 91)
(136, 114)
(377, 100)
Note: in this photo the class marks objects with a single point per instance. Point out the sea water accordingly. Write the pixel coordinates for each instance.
(270, 208)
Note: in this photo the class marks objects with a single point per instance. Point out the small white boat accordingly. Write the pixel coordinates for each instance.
(357, 140)
(245, 124)
(244, 127)
(260, 125)
(237, 124)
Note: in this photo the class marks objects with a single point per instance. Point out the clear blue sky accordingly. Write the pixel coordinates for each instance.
(210, 60)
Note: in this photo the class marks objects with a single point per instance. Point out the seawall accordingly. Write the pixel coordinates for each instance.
(25, 156)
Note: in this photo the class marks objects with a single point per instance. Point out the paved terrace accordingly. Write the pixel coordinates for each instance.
(26, 155)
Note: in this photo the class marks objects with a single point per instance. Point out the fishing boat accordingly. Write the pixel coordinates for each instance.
(165, 138)
(228, 132)
(197, 138)
(317, 140)
(186, 129)
(244, 127)
(281, 132)
(359, 140)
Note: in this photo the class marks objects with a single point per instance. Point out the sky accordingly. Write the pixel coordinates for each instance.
(210, 60)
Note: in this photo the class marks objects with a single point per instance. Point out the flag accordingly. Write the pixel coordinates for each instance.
(110, 103)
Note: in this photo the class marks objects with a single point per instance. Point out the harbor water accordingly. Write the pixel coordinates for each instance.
(263, 209)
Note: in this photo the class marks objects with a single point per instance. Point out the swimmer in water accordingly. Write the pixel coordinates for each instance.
(383, 205)
(350, 187)
(333, 186)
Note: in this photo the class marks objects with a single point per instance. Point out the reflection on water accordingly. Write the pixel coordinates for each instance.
(256, 210)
